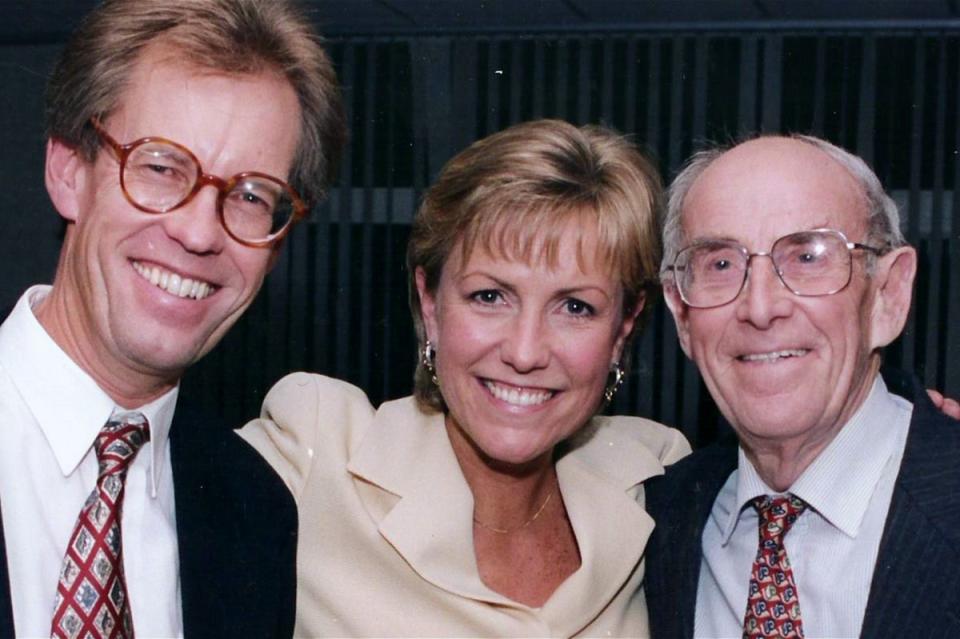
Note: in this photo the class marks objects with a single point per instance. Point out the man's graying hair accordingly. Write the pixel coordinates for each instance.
(883, 219)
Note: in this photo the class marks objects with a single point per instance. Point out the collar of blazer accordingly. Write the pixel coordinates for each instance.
(412, 486)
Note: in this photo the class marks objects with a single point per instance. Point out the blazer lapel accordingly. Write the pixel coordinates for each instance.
(611, 529)
(429, 523)
(680, 503)
(6, 602)
(198, 541)
(236, 533)
(409, 455)
(916, 586)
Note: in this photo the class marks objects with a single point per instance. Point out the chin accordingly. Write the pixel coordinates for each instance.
(515, 455)
(165, 358)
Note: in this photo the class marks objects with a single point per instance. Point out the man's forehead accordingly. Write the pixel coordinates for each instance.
(772, 186)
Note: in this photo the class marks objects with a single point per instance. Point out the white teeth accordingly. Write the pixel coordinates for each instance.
(517, 396)
(775, 355)
(173, 283)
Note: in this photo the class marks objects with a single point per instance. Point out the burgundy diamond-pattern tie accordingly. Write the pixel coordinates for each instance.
(773, 605)
(91, 600)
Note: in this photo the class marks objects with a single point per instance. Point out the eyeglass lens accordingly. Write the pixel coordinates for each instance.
(809, 263)
(160, 177)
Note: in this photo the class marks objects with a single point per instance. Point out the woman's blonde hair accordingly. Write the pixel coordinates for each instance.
(516, 192)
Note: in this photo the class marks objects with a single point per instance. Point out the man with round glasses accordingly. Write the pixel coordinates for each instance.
(834, 511)
(184, 140)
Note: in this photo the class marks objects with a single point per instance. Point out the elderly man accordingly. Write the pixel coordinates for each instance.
(184, 139)
(835, 511)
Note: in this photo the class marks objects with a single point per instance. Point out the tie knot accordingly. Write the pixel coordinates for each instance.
(119, 440)
(778, 514)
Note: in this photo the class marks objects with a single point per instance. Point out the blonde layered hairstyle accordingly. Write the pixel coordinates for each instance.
(516, 192)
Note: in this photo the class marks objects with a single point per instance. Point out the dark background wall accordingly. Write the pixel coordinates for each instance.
(425, 78)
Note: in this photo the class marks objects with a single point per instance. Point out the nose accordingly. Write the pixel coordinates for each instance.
(764, 297)
(196, 224)
(526, 345)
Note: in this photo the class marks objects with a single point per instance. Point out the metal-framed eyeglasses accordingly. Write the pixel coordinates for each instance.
(159, 176)
(812, 263)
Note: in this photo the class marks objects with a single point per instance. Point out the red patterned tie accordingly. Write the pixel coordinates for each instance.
(91, 596)
(773, 606)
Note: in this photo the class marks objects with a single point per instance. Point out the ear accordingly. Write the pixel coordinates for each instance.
(893, 290)
(627, 325)
(681, 315)
(65, 175)
(428, 305)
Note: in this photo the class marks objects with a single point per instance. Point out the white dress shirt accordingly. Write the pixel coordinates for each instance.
(832, 547)
(50, 414)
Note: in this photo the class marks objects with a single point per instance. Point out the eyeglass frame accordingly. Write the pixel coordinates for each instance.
(123, 151)
(850, 246)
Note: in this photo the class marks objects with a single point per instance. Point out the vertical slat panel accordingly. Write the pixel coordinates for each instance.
(463, 61)
(560, 67)
(910, 337)
(366, 261)
(866, 120)
(432, 71)
(916, 131)
(388, 363)
(936, 304)
(630, 87)
(749, 73)
(320, 317)
(671, 364)
(606, 91)
(772, 81)
(700, 97)
(938, 214)
(678, 51)
(637, 387)
(282, 313)
(819, 93)
(690, 407)
(515, 80)
(654, 99)
(649, 355)
(495, 86)
(342, 306)
(296, 350)
(951, 379)
(539, 78)
(582, 115)
(844, 90)
(952, 355)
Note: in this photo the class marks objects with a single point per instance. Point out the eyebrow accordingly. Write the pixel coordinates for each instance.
(728, 238)
(563, 292)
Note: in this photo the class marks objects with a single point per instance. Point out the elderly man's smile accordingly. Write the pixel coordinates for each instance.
(772, 357)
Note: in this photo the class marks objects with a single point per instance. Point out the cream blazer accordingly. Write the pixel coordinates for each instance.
(386, 520)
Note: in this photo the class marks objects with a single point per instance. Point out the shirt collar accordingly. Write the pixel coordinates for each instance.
(855, 460)
(67, 403)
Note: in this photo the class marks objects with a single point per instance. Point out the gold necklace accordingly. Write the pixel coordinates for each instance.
(505, 531)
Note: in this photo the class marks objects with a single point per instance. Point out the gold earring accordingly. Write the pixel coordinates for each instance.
(428, 355)
(612, 387)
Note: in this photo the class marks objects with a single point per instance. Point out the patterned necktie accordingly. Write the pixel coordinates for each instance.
(91, 596)
(773, 606)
